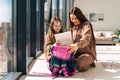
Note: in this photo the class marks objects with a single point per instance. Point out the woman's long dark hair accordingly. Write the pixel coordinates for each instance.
(81, 17)
(78, 13)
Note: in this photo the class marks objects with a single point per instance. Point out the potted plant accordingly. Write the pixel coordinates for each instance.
(117, 32)
(117, 40)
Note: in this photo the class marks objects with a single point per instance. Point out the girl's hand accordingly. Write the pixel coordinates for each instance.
(72, 48)
(58, 43)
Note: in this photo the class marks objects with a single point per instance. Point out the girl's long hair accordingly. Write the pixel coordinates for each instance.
(51, 31)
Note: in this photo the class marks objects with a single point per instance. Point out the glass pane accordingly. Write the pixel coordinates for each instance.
(46, 13)
(38, 27)
(28, 34)
(5, 36)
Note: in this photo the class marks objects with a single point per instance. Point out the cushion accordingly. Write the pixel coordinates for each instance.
(98, 34)
(108, 34)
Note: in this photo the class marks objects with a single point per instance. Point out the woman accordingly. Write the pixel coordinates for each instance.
(84, 45)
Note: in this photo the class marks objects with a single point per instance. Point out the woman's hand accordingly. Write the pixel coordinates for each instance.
(72, 48)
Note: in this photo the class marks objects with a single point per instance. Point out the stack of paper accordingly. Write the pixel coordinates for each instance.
(65, 38)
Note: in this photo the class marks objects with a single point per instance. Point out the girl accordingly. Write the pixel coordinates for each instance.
(57, 66)
(55, 28)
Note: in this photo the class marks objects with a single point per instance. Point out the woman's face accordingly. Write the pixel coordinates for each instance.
(57, 26)
(74, 19)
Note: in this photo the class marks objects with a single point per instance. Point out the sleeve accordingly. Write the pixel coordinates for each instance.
(86, 36)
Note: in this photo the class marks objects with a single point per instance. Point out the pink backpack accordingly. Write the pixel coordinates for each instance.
(61, 52)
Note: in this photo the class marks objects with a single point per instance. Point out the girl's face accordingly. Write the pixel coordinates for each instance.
(74, 19)
(57, 26)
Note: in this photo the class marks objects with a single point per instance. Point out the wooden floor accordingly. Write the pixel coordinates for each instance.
(107, 68)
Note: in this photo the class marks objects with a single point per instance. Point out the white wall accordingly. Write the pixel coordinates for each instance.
(110, 9)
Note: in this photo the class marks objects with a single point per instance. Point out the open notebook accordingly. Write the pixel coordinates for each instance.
(64, 37)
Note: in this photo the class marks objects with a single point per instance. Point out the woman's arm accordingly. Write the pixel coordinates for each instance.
(86, 36)
(84, 40)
